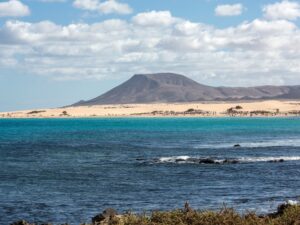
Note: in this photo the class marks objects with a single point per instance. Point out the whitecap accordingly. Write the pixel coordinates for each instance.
(209, 160)
(174, 159)
(292, 202)
(269, 159)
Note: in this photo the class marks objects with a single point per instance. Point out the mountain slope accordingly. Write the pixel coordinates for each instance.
(169, 87)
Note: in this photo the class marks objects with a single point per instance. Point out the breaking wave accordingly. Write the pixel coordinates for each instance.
(202, 160)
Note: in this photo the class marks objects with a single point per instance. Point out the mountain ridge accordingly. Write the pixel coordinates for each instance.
(171, 87)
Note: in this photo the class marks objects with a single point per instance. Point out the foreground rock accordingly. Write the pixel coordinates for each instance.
(106, 216)
(282, 208)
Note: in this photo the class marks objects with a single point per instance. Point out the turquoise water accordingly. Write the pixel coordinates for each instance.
(68, 170)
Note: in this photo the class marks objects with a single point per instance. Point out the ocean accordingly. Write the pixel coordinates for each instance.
(68, 170)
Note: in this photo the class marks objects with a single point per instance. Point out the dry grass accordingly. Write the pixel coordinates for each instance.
(290, 216)
(286, 215)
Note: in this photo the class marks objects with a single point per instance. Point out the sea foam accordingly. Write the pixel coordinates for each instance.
(209, 160)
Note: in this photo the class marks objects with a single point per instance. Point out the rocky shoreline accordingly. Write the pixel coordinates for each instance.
(287, 213)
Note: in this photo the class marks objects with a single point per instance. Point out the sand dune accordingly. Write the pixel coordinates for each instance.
(200, 109)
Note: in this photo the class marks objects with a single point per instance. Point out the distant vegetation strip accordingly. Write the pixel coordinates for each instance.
(36, 111)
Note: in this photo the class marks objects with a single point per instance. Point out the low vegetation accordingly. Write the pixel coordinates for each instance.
(294, 112)
(260, 112)
(286, 215)
(189, 112)
(36, 111)
(64, 113)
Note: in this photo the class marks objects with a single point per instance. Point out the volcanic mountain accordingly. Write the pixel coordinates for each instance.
(170, 87)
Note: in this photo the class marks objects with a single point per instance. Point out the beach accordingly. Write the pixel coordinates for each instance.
(268, 108)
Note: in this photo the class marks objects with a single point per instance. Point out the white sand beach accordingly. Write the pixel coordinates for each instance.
(268, 108)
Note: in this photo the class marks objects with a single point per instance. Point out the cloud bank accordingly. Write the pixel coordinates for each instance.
(262, 51)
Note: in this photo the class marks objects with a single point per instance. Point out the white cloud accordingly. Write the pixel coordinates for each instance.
(289, 10)
(229, 10)
(106, 7)
(86, 4)
(112, 6)
(154, 18)
(13, 8)
(252, 53)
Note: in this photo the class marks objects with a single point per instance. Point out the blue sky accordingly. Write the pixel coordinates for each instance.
(56, 52)
(195, 10)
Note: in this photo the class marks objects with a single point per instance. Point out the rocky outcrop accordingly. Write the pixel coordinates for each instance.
(106, 216)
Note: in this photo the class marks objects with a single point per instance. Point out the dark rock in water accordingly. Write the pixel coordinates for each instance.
(207, 161)
(21, 222)
(230, 161)
(106, 214)
(237, 146)
(139, 159)
(180, 160)
(275, 161)
(194, 160)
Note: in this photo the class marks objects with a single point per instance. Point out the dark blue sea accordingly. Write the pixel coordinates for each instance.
(68, 170)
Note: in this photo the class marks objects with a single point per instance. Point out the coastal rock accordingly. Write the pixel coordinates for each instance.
(275, 161)
(107, 214)
(24, 222)
(140, 159)
(21, 222)
(282, 208)
(187, 208)
(194, 160)
(207, 161)
(230, 161)
(180, 160)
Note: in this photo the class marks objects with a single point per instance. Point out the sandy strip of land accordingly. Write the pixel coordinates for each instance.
(200, 109)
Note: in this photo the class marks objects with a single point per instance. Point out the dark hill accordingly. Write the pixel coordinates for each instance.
(169, 87)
